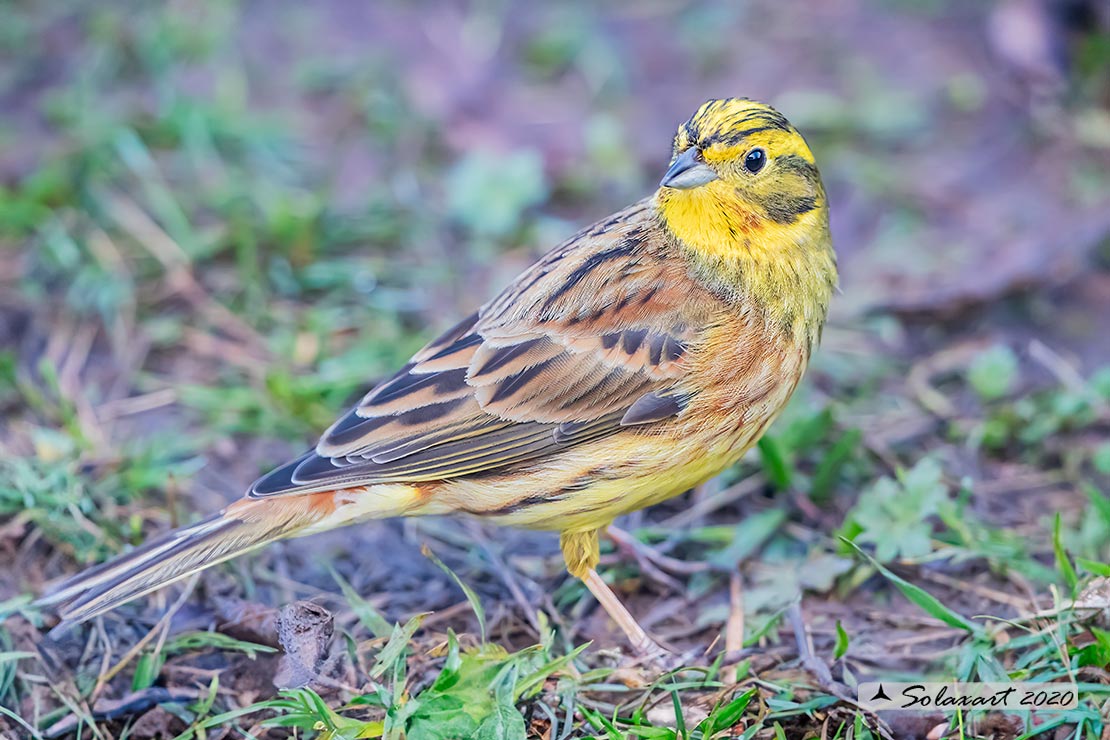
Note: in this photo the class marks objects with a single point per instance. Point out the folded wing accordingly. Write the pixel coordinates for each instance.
(591, 340)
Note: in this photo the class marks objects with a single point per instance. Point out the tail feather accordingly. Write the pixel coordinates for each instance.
(242, 527)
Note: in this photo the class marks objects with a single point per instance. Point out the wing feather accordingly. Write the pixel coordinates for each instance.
(592, 340)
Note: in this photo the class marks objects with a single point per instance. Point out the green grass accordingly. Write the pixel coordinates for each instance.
(206, 272)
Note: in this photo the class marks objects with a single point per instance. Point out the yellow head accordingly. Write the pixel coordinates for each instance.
(743, 195)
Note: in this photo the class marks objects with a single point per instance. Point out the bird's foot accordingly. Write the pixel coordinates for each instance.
(656, 658)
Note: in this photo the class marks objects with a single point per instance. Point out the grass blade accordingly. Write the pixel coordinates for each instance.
(370, 617)
(1063, 563)
(922, 598)
(475, 602)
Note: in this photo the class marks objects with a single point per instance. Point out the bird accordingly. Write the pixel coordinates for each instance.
(635, 360)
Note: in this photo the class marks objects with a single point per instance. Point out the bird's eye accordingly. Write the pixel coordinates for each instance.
(755, 160)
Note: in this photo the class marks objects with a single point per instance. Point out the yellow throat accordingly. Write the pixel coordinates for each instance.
(761, 237)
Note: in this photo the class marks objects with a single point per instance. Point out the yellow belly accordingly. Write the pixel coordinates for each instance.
(586, 486)
(589, 486)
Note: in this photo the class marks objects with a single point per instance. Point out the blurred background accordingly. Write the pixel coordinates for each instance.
(221, 221)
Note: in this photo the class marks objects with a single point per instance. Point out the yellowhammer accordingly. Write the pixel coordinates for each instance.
(635, 360)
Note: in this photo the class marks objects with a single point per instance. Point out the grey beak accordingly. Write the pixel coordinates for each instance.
(687, 172)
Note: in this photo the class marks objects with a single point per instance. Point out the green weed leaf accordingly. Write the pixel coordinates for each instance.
(726, 716)
(841, 646)
(368, 616)
(895, 515)
(922, 598)
(488, 193)
(775, 466)
(1063, 564)
(993, 373)
(394, 650)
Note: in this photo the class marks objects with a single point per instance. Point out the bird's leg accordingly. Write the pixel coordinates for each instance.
(641, 641)
(580, 551)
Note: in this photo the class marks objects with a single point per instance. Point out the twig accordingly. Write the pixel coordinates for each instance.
(1016, 482)
(508, 577)
(162, 625)
(136, 404)
(989, 593)
(444, 615)
(647, 558)
(209, 345)
(745, 487)
(1060, 368)
(82, 710)
(179, 275)
(919, 638)
(77, 355)
(919, 380)
(734, 627)
(131, 704)
(809, 660)
(105, 660)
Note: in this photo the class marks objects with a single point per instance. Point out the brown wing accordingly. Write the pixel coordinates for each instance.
(590, 340)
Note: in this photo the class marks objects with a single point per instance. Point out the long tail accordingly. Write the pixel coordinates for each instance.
(245, 525)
